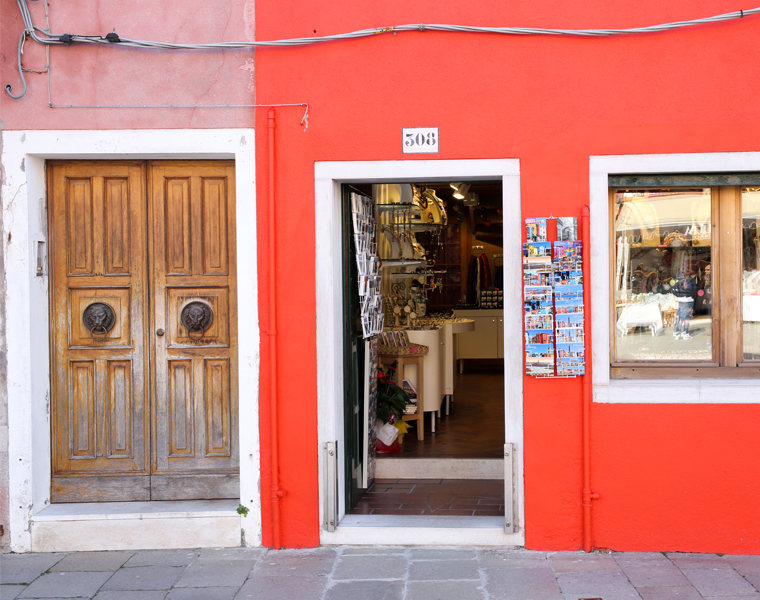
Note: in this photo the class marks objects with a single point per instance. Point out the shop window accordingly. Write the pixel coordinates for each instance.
(685, 276)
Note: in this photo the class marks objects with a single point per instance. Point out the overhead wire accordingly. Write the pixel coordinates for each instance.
(43, 36)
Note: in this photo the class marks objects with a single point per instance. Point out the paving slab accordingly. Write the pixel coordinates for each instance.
(371, 567)
(92, 561)
(285, 563)
(266, 587)
(754, 580)
(144, 578)
(573, 562)
(698, 561)
(442, 570)
(215, 573)
(9, 592)
(369, 590)
(441, 554)
(206, 593)
(162, 558)
(745, 565)
(718, 582)
(132, 595)
(680, 592)
(641, 559)
(66, 585)
(445, 590)
(25, 568)
(520, 584)
(656, 576)
(232, 553)
(374, 550)
(610, 586)
(512, 559)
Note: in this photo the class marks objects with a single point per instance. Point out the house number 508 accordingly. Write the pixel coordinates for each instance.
(418, 140)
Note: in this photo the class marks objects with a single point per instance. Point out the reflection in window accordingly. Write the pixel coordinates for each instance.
(662, 282)
(751, 273)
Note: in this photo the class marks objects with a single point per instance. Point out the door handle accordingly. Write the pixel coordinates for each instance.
(159, 332)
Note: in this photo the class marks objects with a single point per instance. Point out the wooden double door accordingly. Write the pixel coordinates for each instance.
(143, 330)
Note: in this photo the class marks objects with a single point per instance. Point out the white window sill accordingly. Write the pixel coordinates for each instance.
(679, 391)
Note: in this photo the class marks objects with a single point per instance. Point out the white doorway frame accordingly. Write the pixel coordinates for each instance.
(95, 526)
(329, 176)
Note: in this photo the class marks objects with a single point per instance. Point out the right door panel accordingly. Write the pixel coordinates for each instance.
(192, 207)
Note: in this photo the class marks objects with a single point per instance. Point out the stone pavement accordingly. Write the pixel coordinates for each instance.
(377, 573)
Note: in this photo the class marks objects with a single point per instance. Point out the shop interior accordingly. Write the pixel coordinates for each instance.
(664, 272)
(440, 276)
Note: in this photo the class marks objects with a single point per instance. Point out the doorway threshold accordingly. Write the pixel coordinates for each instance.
(439, 468)
(136, 525)
(405, 530)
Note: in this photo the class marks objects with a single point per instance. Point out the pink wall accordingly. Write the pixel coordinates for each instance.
(88, 74)
(673, 477)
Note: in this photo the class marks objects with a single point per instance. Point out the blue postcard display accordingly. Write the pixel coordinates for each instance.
(554, 314)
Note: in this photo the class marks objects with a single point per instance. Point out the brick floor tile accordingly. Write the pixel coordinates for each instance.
(396, 511)
(488, 513)
(718, 582)
(449, 512)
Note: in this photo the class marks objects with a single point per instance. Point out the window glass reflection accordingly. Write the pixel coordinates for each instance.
(751, 273)
(662, 282)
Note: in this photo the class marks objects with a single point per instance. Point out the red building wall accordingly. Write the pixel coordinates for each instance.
(670, 476)
(85, 74)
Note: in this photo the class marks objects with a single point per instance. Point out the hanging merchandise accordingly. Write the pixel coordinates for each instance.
(368, 265)
(371, 363)
(568, 295)
(554, 312)
(539, 310)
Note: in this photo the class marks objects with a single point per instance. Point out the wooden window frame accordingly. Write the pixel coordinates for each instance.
(728, 351)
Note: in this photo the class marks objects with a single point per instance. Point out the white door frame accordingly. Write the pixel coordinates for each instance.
(329, 296)
(26, 305)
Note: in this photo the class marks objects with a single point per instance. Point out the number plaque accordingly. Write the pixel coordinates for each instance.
(418, 140)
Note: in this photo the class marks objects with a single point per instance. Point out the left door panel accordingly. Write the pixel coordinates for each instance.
(98, 255)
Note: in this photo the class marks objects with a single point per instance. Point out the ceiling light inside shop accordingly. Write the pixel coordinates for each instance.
(471, 199)
(460, 190)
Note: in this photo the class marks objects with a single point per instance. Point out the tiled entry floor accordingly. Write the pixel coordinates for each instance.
(452, 497)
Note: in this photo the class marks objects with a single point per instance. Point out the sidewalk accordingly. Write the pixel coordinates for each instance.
(377, 573)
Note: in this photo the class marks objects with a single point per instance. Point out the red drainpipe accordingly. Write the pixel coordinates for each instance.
(277, 493)
(587, 495)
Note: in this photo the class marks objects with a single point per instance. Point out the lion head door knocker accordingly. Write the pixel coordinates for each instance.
(196, 317)
(99, 318)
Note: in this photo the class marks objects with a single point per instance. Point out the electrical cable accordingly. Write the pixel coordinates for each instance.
(113, 40)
